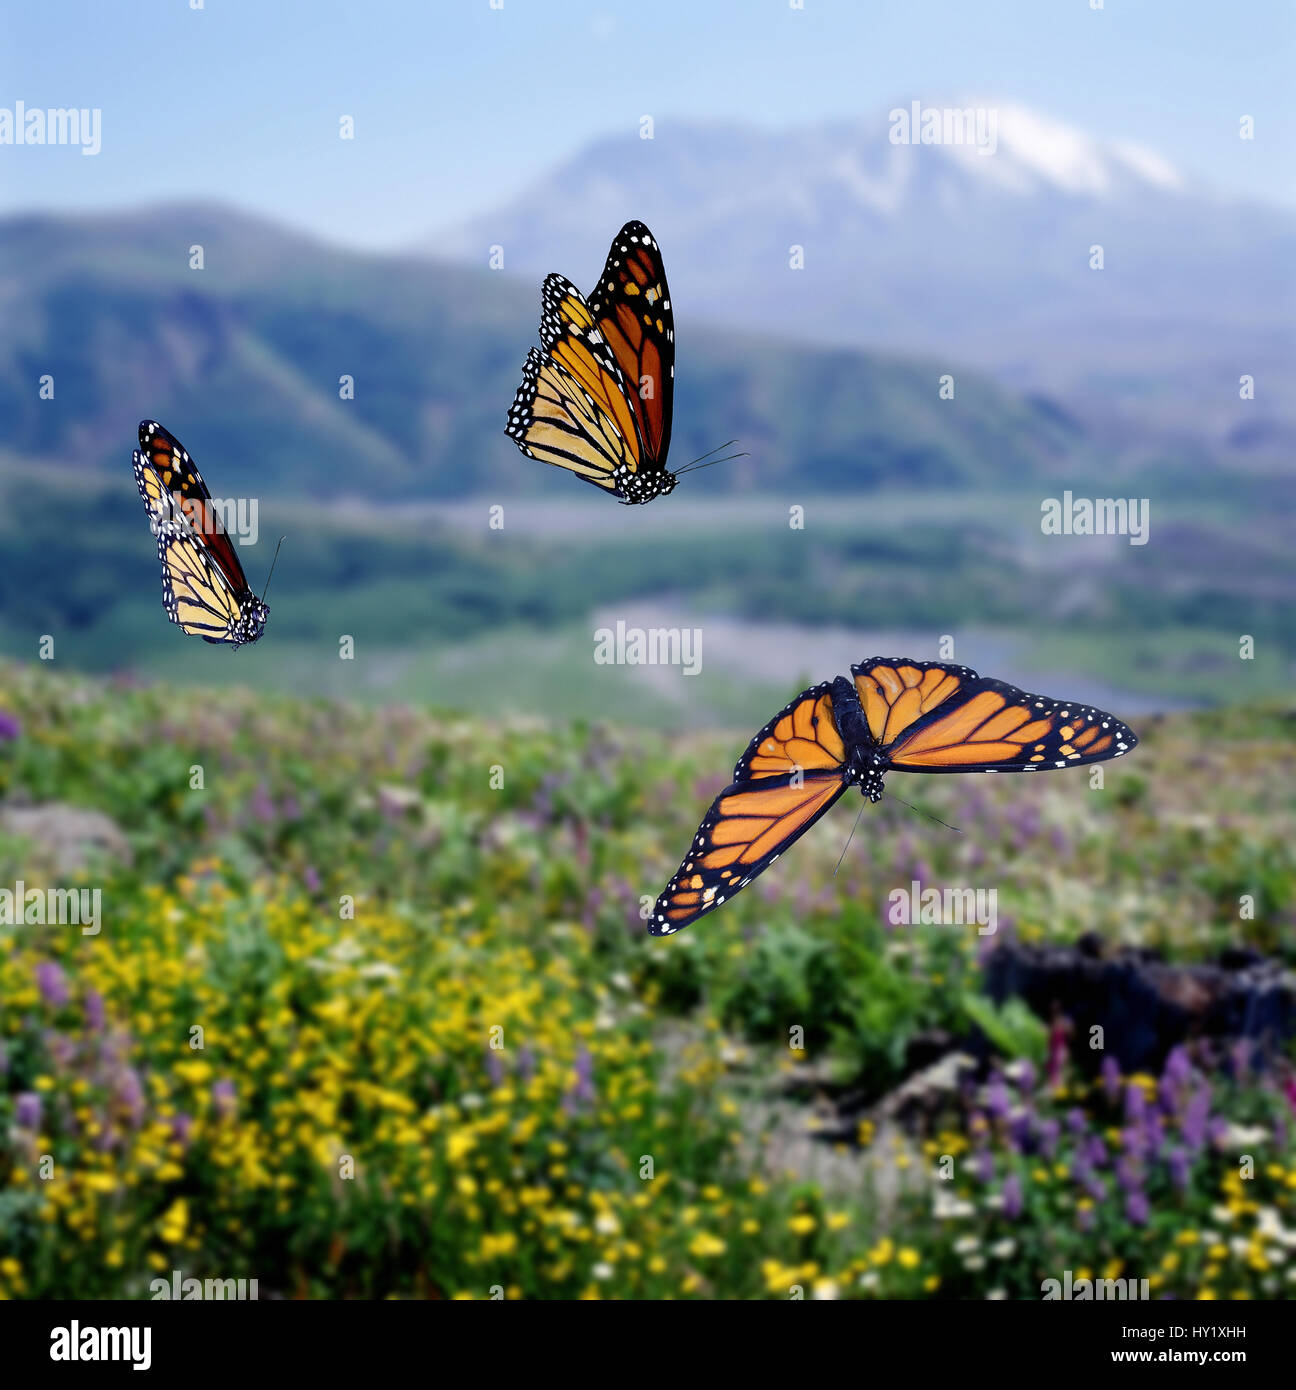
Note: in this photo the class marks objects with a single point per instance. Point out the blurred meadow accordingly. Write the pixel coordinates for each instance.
(372, 1011)
(362, 1045)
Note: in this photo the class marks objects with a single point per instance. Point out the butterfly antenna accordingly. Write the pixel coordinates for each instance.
(851, 836)
(694, 468)
(273, 562)
(709, 452)
(929, 815)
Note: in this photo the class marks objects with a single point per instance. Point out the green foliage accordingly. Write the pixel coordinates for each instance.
(365, 1034)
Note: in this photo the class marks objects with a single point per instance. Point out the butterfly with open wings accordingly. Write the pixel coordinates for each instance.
(204, 589)
(894, 714)
(597, 400)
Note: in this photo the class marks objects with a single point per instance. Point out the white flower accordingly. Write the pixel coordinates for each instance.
(606, 1224)
(870, 1279)
(965, 1245)
(826, 1289)
(974, 1262)
(946, 1206)
(602, 1271)
(1002, 1249)
(997, 1294)
(1239, 1137)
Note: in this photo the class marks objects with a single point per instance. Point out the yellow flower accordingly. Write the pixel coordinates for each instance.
(703, 1246)
(908, 1258)
(802, 1225)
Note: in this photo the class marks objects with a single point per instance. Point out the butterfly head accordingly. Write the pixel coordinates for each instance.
(866, 768)
(252, 621)
(643, 487)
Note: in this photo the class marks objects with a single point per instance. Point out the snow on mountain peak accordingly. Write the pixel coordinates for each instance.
(1030, 149)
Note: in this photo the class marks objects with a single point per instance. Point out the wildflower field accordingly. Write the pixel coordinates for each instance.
(371, 1013)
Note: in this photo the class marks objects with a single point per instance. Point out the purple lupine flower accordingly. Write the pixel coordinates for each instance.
(1085, 1218)
(130, 1094)
(1135, 1103)
(27, 1110)
(494, 1067)
(1128, 1173)
(1178, 1162)
(525, 1063)
(261, 806)
(1012, 1196)
(1077, 1121)
(93, 1004)
(1241, 1057)
(1153, 1135)
(224, 1098)
(1019, 1129)
(52, 983)
(1049, 1132)
(61, 1048)
(985, 1166)
(1096, 1189)
(1025, 1075)
(996, 1101)
(1133, 1140)
(584, 1076)
(181, 1127)
(1196, 1116)
(1095, 1151)
(1136, 1208)
(10, 726)
(1111, 1078)
(311, 878)
(1178, 1066)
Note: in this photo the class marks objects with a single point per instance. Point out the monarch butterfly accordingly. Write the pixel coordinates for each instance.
(204, 588)
(913, 716)
(597, 401)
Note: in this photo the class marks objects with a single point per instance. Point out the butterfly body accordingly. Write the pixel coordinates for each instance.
(865, 763)
(894, 714)
(597, 399)
(204, 589)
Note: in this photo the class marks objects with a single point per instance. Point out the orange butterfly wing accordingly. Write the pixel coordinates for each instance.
(631, 306)
(790, 775)
(180, 479)
(573, 408)
(932, 716)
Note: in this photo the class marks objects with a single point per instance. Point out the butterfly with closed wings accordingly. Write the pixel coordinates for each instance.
(204, 589)
(597, 400)
(894, 714)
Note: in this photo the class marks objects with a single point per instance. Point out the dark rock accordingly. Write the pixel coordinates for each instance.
(1144, 1006)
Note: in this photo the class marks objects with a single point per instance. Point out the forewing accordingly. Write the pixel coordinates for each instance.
(937, 717)
(791, 773)
(748, 826)
(187, 494)
(631, 308)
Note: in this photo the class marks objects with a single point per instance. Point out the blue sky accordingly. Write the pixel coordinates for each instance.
(458, 105)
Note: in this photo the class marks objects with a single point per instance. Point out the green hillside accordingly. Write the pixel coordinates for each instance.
(242, 359)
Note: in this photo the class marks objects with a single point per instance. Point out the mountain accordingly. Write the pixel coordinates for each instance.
(243, 358)
(940, 249)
